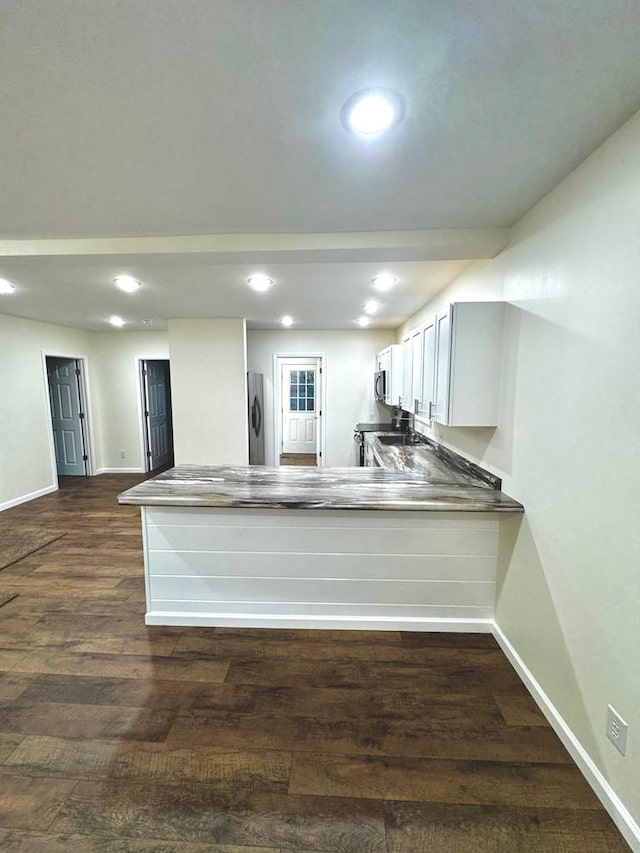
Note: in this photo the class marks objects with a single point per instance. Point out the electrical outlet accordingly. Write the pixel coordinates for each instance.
(123, 455)
(617, 730)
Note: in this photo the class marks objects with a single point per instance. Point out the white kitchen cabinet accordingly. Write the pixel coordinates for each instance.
(412, 372)
(390, 360)
(428, 377)
(468, 349)
(407, 377)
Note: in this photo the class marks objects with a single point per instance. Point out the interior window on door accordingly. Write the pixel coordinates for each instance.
(302, 391)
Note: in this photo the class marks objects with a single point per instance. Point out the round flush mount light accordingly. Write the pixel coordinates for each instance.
(6, 286)
(371, 307)
(371, 112)
(363, 321)
(260, 282)
(127, 283)
(117, 321)
(384, 281)
(287, 320)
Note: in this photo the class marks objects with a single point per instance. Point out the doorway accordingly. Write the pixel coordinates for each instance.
(299, 407)
(157, 423)
(68, 407)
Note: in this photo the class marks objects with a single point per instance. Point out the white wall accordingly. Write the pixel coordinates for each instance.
(349, 367)
(25, 426)
(26, 468)
(116, 398)
(568, 446)
(208, 386)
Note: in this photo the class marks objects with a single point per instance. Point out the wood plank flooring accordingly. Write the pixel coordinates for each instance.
(298, 459)
(118, 738)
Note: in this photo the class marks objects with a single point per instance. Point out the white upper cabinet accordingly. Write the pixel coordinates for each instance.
(412, 372)
(448, 370)
(440, 409)
(383, 360)
(416, 371)
(427, 394)
(468, 350)
(390, 360)
(407, 379)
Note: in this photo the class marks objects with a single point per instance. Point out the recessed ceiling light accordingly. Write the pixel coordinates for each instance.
(362, 321)
(127, 283)
(371, 307)
(6, 286)
(260, 282)
(287, 320)
(384, 281)
(372, 111)
(117, 321)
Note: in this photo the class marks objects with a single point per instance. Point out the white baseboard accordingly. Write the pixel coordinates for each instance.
(120, 471)
(30, 497)
(347, 623)
(602, 789)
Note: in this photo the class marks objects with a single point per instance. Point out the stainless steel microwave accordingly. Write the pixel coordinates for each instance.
(380, 385)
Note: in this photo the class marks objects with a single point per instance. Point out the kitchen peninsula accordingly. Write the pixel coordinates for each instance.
(370, 548)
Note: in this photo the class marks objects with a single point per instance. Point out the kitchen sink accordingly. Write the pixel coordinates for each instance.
(401, 439)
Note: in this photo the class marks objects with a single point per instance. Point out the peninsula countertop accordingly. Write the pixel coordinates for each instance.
(313, 488)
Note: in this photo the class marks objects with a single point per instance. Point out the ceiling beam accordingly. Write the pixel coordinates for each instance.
(431, 245)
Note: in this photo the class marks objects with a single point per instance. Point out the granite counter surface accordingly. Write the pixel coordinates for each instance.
(435, 464)
(313, 488)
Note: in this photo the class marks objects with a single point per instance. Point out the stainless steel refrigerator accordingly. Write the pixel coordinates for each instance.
(256, 418)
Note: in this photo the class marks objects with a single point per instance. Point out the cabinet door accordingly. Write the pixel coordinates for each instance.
(476, 330)
(443, 362)
(394, 385)
(428, 369)
(416, 372)
(407, 376)
(383, 360)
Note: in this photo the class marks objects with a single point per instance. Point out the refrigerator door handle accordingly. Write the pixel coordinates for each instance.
(257, 415)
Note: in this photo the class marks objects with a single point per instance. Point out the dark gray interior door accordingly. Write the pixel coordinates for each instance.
(66, 416)
(157, 413)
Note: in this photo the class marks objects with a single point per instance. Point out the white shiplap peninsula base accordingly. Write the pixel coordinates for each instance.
(264, 562)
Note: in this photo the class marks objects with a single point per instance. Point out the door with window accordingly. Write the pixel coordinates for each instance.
(299, 408)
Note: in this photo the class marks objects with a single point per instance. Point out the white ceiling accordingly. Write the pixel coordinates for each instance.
(172, 118)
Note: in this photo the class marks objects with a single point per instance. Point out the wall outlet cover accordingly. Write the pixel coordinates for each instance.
(617, 730)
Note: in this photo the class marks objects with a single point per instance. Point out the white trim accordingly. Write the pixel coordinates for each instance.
(602, 789)
(145, 553)
(30, 497)
(85, 398)
(121, 471)
(277, 402)
(139, 362)
(49, 420)
(356, 623)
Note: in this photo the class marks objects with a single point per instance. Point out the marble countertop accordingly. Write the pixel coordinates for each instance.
(435, 463)
(313, 488)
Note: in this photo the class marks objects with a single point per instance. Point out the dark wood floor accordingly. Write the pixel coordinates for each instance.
(118, 737)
